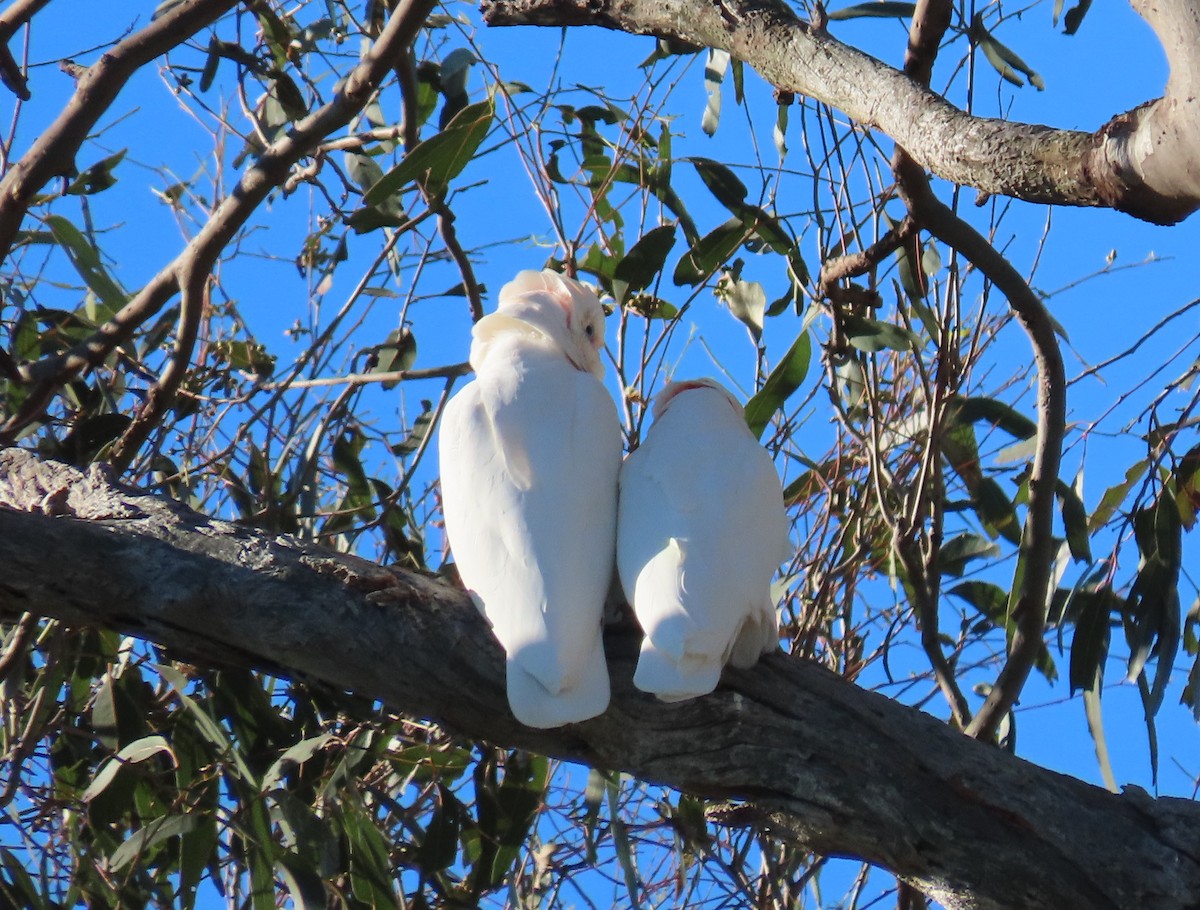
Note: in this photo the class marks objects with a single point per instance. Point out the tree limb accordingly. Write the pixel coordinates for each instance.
(830, 766)
(1033, 577)
(1143, 162)
(12, 17)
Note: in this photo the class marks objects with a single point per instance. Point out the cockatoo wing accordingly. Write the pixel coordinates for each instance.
(529, 457)
(700, 519)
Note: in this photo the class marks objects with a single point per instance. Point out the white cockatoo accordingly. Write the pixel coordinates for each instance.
(701, 530)
(529, 453)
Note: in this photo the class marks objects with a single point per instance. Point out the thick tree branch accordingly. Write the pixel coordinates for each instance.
(828, 765)
(1143, 162)
(269, 171)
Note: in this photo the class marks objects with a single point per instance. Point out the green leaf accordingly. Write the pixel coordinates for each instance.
(1095, 722)
(996, 510)
(197, 851)
(872, 335)
(417, 432)
(1186, 478)
(506, 812)
(289, 96)
(439, 848)
(997, 414)
(294, 757)
(746, 300)
(649, 307)
(453, 73)
(135, 752)
(722, 183)
(1074, 17)
(150, 835)
(422, 764)
(370, 868)
(880, 9)
(86, 260)
(962, 549)
(165, 7)
(645, 260)
(622, 843)
(363, 170)
(440, 158)
(818, 477)
(211, 62)
(710, 252)
(779, 134)
(1003, 58)
(1153, 601)
(249, 356)
(346, 460)
(373, 217)
(303, 883)
(20, 889)
(759, 224)
(397, 354)
(276, 33)
(851, 382)
(787, 376)
(1115, 495)
(1075, 521)
(96, 178)
(989, 600)
(1089, 644)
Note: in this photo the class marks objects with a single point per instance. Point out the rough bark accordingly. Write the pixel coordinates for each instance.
(1143, 162)
(839, 769)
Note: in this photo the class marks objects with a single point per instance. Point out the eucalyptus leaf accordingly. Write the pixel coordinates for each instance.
(783, 380)
(440, 158)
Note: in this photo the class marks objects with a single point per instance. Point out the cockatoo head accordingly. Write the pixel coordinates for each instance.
(555, 307)
(672, 390)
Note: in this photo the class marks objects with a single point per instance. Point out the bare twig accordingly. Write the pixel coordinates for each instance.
(25, 628)
(851, 265)
(453, 371)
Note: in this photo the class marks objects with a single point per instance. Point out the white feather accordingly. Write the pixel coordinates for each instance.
(529, 457)
(701, 530)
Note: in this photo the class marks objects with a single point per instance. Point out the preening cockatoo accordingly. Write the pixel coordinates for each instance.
(701, 530)
(529, 457)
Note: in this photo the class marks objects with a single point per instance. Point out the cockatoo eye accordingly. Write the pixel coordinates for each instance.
(590, 330)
